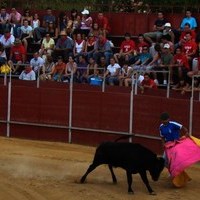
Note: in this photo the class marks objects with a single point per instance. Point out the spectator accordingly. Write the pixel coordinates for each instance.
(91, 70)
(36, 21)
(82, 69)
(36, 63)
(141, 43)
(103, 23)
(190, 20)
(102, 47)
(165, 39)
(17, 56)
(26, 34)
(4, 20)
(3, 58)
(47, 46)
(86, 23)
(27, 74)
(102, 66)
(64, 46)
(112, 72)
(96, 30)
(47, 68)
(15, 20)
(126, 73)
(167, 32)
(79, 46)
(52, 30)
(147, 83)
(143, 60)
(28, 17)
(127, 49)
(40, 31)
(70, 69)
(7, 40)
(58, 70)
(89, 46)
(181, 63)
(135, 77)
(158, 28)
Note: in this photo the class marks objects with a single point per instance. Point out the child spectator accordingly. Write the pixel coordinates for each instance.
(147, 83)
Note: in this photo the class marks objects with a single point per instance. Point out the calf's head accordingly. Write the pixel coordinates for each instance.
(157, 168)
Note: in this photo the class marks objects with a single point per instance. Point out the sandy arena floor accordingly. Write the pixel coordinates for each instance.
(35, 170)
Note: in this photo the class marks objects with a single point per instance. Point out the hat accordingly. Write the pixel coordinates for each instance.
(85, 12)
(167, 25)
(166, 46)
(63, 33)
(164, 116)
(17, 41)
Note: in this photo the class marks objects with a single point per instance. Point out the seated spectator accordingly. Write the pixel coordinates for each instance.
(15, 21)
(143, 60)
(64, 46)
(141, 43)
(28, 17)
(58, 70)
(26, 33)
(62, 21)
(147, 83)
(96, 30)
(190, 20)
(103, 23)
(112, 73)
(158, 28)
(36, 63)
(3, 58)
(36, 21)
(40, 31)
(102, 47)
(196, 69)
(127, 49)
(7, 40)
(82, 69)
(52, 30)
(27, 74)
(86, 23)
(134, 78)
(181, 63)
(89, 46)
(17, 56)
(168, 33)
(73, 24)
(165, 39)
(102, 66)
(166, 63)
(125, 73)
(91, 70)
(70, 69)
(47, 68)
(79, 46)
(189, 47)
(4, 20)
(47, 45)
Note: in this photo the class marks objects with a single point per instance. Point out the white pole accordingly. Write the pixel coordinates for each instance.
(70, 108)
(38, 78)
(9, 106)
(168, 85)
(5, 79)
(131, 112)
(191, 108)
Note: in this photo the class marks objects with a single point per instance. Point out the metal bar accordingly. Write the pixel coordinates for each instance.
(70, 107)
(5, 79)
(131, 111)
(38, 78)
(191, 107)
(168, 85)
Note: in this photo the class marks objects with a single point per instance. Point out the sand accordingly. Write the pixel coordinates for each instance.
(38, 170)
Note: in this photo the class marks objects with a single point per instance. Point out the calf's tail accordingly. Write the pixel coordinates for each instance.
(123, 137)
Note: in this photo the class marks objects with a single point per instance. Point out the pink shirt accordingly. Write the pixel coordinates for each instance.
(15, 17)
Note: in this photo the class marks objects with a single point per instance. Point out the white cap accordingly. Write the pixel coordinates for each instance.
(168, 24)
(85, 12)
(166, 46)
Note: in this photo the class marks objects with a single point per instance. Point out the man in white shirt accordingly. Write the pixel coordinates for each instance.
(27, 74)
(36, 63)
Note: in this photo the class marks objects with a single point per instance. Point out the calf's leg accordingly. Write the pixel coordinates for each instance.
(112, 174)
(129, 180)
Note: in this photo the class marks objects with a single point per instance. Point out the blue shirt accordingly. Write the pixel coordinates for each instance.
(192, 21)
(170, 131)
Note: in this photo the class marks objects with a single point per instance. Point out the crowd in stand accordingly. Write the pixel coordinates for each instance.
(77, 45)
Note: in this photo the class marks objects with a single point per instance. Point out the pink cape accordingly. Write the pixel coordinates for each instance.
(181, 154)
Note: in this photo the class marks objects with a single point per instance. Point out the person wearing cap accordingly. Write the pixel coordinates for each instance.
(86, 22)
(158, 28)
(168, 32)
(17, 56)
(27, 74)
(64, 46)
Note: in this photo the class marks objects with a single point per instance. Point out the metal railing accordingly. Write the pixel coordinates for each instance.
(70, 127)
